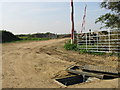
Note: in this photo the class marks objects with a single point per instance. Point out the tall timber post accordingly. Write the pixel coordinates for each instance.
(72, 19)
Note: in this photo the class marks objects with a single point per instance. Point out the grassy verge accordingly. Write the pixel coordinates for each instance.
(33, 39)
(9, 37)
(69, 46)
(23, 39)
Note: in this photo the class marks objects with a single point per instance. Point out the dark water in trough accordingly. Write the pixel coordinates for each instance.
(72, 80)
(80, 78)
(76, 79)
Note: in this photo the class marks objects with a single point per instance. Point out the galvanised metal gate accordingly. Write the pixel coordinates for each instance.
(102, 41)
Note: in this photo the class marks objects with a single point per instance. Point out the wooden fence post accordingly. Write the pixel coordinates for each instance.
(72, 19)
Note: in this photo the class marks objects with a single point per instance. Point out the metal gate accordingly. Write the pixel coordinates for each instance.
(102, 41)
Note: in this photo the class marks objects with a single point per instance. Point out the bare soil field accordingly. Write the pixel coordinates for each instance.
(35, 64)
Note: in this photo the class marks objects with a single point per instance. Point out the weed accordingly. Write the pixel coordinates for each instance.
(69, 46)
(81, 48)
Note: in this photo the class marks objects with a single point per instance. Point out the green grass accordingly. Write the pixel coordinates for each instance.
(88, 51)
(9, 37)
(33, 39)
(24, 39)
(69, 46)
(28, 40)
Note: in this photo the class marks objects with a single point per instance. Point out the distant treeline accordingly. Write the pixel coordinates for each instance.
(44, 35)
(39, 35)
(6, 36)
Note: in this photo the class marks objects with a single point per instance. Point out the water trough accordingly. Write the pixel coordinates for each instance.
(84, 74)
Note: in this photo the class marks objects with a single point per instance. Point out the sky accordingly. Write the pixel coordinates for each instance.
(40, 17)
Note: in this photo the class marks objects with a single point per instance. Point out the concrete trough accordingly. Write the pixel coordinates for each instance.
(93, 72)
(70, 80)
(80, 74)
(100, 69)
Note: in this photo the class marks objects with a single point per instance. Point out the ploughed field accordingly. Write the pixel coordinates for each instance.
(35, 64)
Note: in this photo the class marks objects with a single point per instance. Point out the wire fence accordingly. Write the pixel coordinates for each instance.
(102, 41)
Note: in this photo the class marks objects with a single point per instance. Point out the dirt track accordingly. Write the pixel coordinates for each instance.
(35, 64)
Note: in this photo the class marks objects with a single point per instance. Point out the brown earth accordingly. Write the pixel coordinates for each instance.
(35, 64)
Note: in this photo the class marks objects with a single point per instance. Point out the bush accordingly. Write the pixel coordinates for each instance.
(69, 46)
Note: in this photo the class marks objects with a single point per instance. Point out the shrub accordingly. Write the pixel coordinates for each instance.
(69, 46)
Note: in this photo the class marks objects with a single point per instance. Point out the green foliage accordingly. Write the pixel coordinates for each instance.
(69, 46)
(113, 6)
(111, 20)
(114, 54)
(97, 53)
(7, 36)
(33, 39)
(82, 50)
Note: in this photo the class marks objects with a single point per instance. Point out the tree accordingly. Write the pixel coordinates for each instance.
(111, 19)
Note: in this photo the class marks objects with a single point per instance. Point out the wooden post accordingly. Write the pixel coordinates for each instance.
(109, 39)
(86, 41)
(89, 36)
(72, 19)
(97, 40)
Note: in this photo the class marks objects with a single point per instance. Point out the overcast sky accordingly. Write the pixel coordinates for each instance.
(32, 17)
